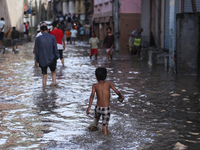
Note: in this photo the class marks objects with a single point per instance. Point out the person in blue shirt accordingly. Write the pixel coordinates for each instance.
(46, 54)
(81, 31)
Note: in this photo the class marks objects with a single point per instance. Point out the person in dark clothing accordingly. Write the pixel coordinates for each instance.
(69, 20)
(62, 26)
(2, 26)
(27, 28)
(109, 41)
(15, 38)
(74, 17)
(46, 54)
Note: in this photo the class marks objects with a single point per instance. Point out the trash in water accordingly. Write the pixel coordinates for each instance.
(179, 146)
(174, 95)
(120, 99)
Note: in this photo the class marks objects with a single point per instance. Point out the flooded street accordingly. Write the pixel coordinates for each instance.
(159, 109)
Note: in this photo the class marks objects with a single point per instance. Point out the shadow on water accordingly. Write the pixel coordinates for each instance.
(45, 100)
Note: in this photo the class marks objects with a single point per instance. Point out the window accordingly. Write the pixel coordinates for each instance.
(96, 2)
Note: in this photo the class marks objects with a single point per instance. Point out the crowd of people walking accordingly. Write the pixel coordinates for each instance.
(71, 21)
(50, 44)
(49, 48)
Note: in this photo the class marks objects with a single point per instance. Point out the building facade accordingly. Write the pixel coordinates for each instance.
(81, 8)
(183, 49)
(155, 20)
(129, 18)
(8, 12)
(41, 11)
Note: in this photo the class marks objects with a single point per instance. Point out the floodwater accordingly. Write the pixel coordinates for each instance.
(159, 112)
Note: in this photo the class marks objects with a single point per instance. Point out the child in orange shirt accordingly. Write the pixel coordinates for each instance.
(68, 34)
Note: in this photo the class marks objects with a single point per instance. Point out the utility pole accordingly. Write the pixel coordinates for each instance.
(31, 22)
(159, 24)
(36, 22)
(171, 35)
(53, 9)
(40, 12)
(86, 9)
(117, 25)
(194, 7)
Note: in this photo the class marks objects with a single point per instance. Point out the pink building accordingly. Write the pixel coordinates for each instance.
(129, 18)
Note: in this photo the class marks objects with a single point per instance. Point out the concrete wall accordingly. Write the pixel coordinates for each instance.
(65, 8)
(129, 19)
(145, 21)
(80, 7)
(187, 42)
(58, 6)
(127, 24)
(133, 6)
(41, 13)
(45, 13)
(102, 8)
(37, 2)
(8, 10)
(72, 7)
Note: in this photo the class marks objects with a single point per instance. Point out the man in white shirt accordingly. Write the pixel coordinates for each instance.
(74, 34)
(87, 30)
(2, 26)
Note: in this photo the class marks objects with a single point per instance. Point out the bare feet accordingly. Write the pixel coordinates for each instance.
(105, 130)
(53, 84)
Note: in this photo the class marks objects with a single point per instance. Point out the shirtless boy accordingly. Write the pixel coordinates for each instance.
(102, 89)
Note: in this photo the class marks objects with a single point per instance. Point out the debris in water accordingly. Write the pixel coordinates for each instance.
(174, 95)
(163, 110)
(189, 121)
(120, 99)
(179, 146)
(186, 99)
(172, 131)
(194, 133)
(93, 128)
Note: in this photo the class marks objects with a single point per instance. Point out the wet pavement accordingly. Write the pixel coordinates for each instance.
(160, 111)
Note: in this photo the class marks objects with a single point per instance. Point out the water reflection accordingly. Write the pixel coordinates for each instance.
(45, 100)
(160, 111)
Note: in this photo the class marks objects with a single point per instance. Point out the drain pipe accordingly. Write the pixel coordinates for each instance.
(194, 7)
(183, 5)
(117, 25)
(171, 35)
